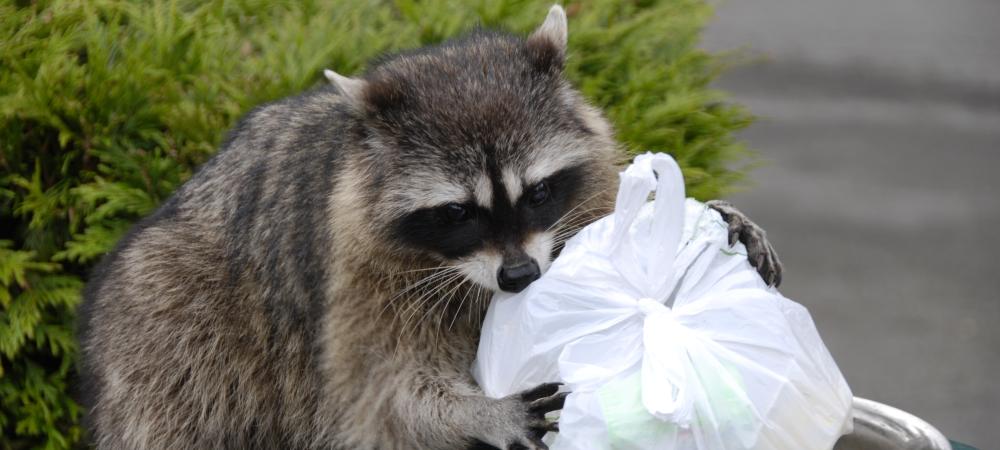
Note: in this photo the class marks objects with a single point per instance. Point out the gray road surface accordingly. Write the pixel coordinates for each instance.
(879, 132)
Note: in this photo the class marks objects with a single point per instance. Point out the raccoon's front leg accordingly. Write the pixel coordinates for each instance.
(440, 407)
(451, 416)
(518, 421)
(760, 253)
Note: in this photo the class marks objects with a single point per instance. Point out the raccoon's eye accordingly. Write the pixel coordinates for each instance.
(456, 213)
(539, 194)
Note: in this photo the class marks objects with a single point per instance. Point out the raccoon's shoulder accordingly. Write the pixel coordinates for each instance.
(278, 152)
(312, 119)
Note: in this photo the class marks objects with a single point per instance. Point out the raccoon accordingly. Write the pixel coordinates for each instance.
(320, 283)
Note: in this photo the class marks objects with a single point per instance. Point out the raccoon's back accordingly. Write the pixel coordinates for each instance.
(198, 328)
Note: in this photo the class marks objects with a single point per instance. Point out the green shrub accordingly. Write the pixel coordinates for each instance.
(107, 106)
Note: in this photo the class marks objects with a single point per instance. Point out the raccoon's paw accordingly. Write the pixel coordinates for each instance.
(522, 423)
(760, 253)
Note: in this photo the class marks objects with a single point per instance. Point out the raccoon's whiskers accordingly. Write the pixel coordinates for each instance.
(565, 235)
(584, 214)
(444, 270)
(415, 305)
(442, 300)
(458, 311)
(445, 301)
(422, 270)
(418, 304)
(482, 297)
(421, 283)
(414, 308)
(578, 205)
(569, 228)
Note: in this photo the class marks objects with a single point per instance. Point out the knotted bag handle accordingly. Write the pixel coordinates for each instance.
(645, 254)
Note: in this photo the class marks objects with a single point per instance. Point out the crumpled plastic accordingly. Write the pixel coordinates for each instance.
(665, 335)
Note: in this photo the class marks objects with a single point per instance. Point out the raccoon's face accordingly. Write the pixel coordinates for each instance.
(496, 221)
(478, 148)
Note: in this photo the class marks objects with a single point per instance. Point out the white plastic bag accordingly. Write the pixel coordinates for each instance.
(730, 364)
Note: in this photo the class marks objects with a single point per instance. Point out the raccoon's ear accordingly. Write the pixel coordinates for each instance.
(352, 88)
(547, 45)
(384, 94)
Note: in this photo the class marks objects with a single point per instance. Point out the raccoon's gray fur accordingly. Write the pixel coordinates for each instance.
(319, 284)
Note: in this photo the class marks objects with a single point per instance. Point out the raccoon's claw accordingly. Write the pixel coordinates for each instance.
(525, 423)
(760, 253)
(548, 404)
(540, 392)
(540, 400)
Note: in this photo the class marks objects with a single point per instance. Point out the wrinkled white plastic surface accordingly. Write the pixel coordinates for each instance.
(729, 364)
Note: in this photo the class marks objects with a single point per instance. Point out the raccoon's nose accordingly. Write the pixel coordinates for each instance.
(515, 278)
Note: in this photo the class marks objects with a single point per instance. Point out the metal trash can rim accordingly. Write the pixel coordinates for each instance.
(878, 426)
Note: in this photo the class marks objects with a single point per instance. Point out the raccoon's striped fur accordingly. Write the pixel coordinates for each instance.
(319, 284)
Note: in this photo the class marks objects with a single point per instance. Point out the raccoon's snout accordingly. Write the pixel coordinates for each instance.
(514, 278)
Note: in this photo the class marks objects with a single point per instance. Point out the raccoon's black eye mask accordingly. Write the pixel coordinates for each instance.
(538, 194)
(454, 213)
(454, 230)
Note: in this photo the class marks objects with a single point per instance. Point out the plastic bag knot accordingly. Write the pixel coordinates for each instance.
(648, 306)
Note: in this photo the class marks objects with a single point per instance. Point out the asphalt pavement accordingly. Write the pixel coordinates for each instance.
(879, 138)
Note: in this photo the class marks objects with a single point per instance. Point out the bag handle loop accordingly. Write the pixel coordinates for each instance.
(645, 257)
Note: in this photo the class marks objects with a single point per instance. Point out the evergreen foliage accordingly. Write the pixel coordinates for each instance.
(106, 106)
